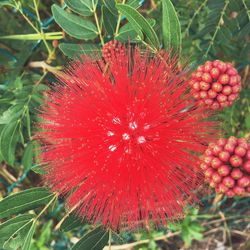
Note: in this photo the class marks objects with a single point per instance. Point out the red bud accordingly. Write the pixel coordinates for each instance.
(212, 94)
(216, 178)
(214, 72)
(224, 79)
(240, 151)
(246, 166)
(221, 98)
(230, 193)
(229, 147)
(215, 163)
(232, 71)
(216, 150)
(228, 181)
(224, 156)
(233, 140)
(208, 159)
(206, 77)
(239, 190)
(224, 170)
(217, 87)
(243, 182)
(236, 173)
(203, 166)
(235, 161)
(208, 152)
(221, 188)
(227, 90)
(222, 142)
(232, 97)
(209, 172)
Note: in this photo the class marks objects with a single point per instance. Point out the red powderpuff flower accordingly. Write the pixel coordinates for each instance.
(123, 147)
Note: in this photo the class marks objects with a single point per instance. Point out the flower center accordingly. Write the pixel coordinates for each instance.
(126, 135)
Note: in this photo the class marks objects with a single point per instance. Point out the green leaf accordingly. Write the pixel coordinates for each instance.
(12, 113)
(170, 27)
(109, 20)
(74, 25)
(134, 3)
(24, 201)
(44, 235)
(127, 32)
(7, 2)
(110, 4)
(94, 240)
(247, 122)
(28, 156)
(140, 24)
(46, 36)
(75, 50)
(83, 7)
(71, 222)
(11, 228)
(29, 236)
(8, 140)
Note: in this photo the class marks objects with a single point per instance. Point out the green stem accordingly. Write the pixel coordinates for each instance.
(247, 10)
(110, 238)
(46, 207)
(41, 30)
(97, 24)
(193, 17)
(118, 21)
(217, 28)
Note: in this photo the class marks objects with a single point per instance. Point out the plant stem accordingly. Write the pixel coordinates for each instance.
(41, 30)
(46, 207)
(217, 28)
(118, 22)
(186, 32)
(97, 24)
(110, 238)
(247, 10)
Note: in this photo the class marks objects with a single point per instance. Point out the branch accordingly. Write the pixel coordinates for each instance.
(132, 245)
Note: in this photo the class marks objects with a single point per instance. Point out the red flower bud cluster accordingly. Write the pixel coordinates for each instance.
(111, 48)
(226, 166)
(215, 84)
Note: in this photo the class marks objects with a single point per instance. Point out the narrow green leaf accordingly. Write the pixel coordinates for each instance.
(74, 25)
(110, 4)
(8, 140)
(28, 237)
(46, 36)
(140, 24)
(134, 3)
(12, 227)
(109, 20)
(71, 222)
(170, 27)
(7, 2)
(45, 234)
(11, 114)
(83, 7)
(75, 50)
(24, 201)
(28, 156)
(94, 240)
(28, 125)
(127, 32)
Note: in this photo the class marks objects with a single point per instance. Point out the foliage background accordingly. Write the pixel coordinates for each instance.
(37, 38)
